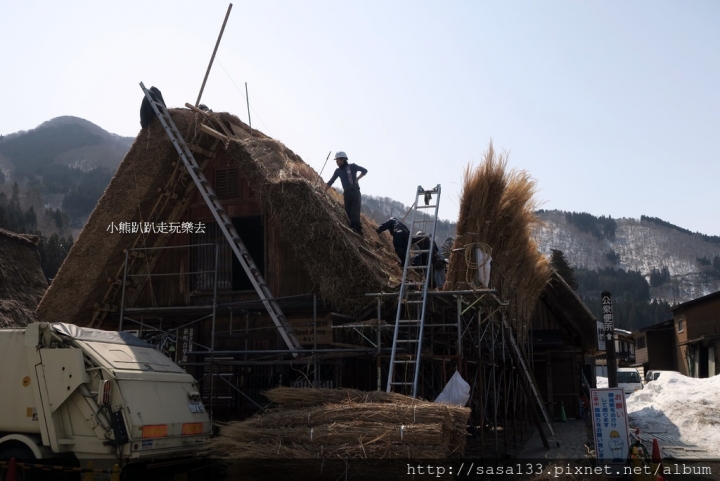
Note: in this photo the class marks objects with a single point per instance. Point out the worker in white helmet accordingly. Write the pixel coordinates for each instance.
(349, 178)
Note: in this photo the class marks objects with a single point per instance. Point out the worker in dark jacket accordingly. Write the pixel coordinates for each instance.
(351, 188)
(400, 235)
(147, 114)
(421, 241)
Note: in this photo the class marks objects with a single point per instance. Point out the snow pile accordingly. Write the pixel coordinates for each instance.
(601, 382)
(678, 405)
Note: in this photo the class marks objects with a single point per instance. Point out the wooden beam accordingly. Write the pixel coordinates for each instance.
(214, 133)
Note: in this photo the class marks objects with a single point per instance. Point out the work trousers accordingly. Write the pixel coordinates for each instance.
(352, 208)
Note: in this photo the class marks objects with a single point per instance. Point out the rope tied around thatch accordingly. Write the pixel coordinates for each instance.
(472, 265)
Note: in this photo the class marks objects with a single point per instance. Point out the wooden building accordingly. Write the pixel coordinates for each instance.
(152, 259)
(655, 347)
(564, 342)
(697, 335)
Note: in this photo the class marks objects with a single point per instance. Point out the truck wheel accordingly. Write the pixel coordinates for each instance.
(21, 453)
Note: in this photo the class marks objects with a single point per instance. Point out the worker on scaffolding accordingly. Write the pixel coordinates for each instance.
(421, 241)
(351, 189)
(400, 235)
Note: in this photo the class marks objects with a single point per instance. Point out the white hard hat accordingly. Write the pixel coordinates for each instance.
(341, 155)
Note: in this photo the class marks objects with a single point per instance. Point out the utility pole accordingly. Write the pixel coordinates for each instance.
(607, 317)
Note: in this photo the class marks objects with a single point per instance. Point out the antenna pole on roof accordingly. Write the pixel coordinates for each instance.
(247, 99)
(217, 44)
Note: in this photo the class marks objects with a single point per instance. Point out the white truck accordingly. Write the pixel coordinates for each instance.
(96, 395)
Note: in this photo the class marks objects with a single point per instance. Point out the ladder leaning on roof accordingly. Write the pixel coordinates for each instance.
(224, 222)
(410, 319)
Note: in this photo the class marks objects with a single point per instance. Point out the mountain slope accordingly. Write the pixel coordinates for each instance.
(637, 245)
(64, 163)
(66, 141)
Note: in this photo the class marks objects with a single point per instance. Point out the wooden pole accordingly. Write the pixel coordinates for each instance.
(217, 44)
(247, 99)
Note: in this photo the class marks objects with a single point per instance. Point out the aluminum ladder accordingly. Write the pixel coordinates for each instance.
(225, 223)
(410, 319)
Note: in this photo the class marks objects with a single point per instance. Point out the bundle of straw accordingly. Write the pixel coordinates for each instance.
(497, 209)
(350, 423)
(363, 433)
(354, 450)
(289, 396)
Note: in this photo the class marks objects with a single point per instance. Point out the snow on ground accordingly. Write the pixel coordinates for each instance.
(679, 405)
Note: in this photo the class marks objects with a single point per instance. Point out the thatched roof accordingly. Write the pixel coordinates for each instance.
(22, 282)
(342, 265)
(571, 311)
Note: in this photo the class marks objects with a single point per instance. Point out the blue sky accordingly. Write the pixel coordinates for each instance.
(613, 107)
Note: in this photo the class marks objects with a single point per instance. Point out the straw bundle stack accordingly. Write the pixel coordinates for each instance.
(347, 424)
(497, 210)
(288, 396)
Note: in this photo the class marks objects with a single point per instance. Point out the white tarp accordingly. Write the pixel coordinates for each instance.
(457, 391)
(97, 335)
(484, 260)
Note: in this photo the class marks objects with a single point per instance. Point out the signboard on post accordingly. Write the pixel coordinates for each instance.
(610, 426)
(600, 336)
(607, 315)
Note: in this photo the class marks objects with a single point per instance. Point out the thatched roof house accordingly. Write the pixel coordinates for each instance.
(22, 282)
(294, 229)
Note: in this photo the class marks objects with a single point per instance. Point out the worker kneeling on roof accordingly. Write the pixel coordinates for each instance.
(351, 189)
(400, 235)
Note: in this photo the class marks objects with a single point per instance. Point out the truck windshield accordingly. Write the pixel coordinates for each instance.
(628, 377)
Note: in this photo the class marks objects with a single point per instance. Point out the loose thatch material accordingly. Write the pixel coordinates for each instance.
(314, 222)
(497, 209)
(326, 423)
(288, 396)
(291, 195)
(333, 451)
(347, 433)
(22, 282)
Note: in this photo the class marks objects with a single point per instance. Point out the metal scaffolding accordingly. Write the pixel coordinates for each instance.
(464, 332)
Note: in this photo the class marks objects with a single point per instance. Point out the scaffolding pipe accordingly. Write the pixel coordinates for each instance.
(122, 297)
(379, 362)
(435, 293)
(315, 366)
(285, 351)
(212, 334)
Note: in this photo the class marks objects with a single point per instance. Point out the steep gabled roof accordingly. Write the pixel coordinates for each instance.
(695, 301)
(342, 265)
(571, 310)
(22, 282)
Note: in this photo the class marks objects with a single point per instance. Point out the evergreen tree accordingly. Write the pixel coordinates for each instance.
(14, 214)
(560, 264)
(4, 221)
(53, 251)
(30, 219)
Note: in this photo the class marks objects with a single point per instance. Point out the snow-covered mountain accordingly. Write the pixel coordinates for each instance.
(638, 245)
